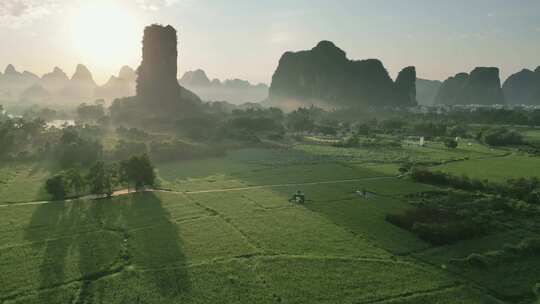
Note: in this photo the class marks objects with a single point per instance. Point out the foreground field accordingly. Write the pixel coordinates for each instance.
(226, 233)
(157, 248)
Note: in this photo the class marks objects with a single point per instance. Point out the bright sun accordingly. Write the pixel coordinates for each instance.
(105, 33)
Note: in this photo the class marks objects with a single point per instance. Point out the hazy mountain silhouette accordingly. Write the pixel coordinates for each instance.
(427, 90)
(118, 86)
(235, 91)
(81, 86)
(36, 94)
(57, 87)
(13, 83)
(523, 87)
(195, 78)
(159, 97)
(482, 86)
(55, 80)
(324, 75)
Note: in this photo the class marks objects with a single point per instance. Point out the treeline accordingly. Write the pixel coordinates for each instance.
(509, 253)
(102, 178)
(524, 189)
(448, 216)
(439, 226)
(469, 208)
(516, 116)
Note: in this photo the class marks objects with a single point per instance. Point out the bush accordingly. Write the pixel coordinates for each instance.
(451, 143)
(501, 137)
(56, 187)
(439, 225)
(443, 179)
(447, 233)
(457, 131)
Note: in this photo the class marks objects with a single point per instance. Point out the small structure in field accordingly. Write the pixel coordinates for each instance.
(298, 198)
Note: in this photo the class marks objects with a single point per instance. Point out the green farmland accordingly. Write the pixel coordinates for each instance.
(224, 232)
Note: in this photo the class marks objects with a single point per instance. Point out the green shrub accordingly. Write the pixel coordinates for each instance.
(451, 143)
(501, 137)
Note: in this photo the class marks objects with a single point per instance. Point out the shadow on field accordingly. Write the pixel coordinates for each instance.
(89, 241)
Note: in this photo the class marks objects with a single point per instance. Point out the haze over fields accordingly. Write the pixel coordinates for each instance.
(182, 151)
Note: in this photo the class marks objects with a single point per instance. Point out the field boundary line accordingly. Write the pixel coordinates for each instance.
(416, 293)
(124, 192)
(282, 185)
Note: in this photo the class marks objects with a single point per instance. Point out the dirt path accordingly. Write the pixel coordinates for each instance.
(124, 192)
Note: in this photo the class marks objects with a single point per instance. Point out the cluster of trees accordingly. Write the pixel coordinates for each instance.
(101, 178)
(74, 149)
(524, 189)
(46, 114)
(439, 226)
(515, 116)
(500, 136)
(446, 217)
(316, 120)
(252, 124)
(20, 138)
(429, 129)
(132, 133)
(509, 252)
(91, 112)
(249, 125)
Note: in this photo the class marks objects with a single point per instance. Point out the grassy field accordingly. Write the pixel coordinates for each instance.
(229, 235)
(23, 181)
(497, 169)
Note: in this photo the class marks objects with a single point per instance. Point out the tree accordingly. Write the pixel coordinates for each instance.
(74, 180)
(99, 179)
(502, 137)
(56, 187)
(301, 120)
(91, 112)
(75, 150)
(139, 171)
(451, 143)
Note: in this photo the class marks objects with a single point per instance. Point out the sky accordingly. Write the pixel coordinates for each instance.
(245, 38)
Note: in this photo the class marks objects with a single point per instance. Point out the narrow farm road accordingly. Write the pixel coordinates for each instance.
(124, 192)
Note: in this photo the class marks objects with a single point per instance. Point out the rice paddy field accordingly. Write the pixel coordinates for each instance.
(223, 231)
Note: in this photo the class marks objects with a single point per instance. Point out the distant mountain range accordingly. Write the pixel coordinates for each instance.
(57, 87)
(482, 86)
(235, 91)
(318, 81)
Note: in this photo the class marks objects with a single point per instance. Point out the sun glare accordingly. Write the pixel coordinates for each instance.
(105, 33)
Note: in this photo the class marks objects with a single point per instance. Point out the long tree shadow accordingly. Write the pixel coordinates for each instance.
(87, 242)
